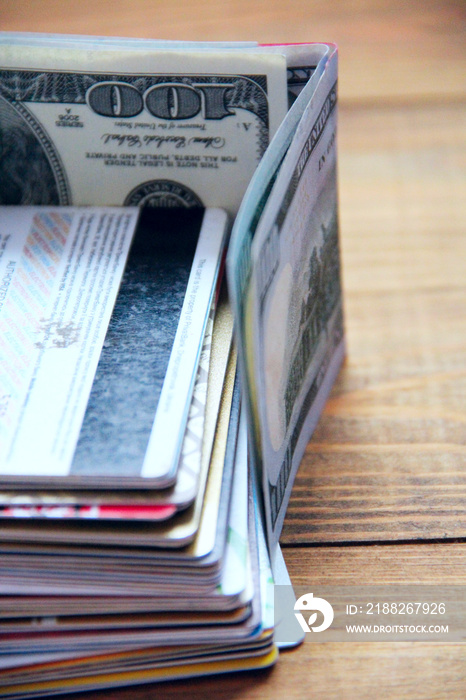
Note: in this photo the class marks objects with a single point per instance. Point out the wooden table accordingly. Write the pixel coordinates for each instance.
(381, 493)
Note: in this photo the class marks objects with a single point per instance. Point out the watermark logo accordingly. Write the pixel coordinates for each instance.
(308, 603)
(391, 613)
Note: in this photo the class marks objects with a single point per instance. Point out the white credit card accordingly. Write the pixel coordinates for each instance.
(64, 401)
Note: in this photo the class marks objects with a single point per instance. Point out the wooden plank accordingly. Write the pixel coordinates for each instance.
(402, 177)
(388, 50)
(409, 564)
(388, 458)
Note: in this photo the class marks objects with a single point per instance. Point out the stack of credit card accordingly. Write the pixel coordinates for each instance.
(130, 538)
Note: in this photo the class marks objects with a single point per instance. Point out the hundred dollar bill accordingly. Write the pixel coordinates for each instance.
(143, 126)
(305, 67)
(285, 279)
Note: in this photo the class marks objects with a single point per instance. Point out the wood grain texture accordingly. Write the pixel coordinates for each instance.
(387, 462)
(378, 565)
